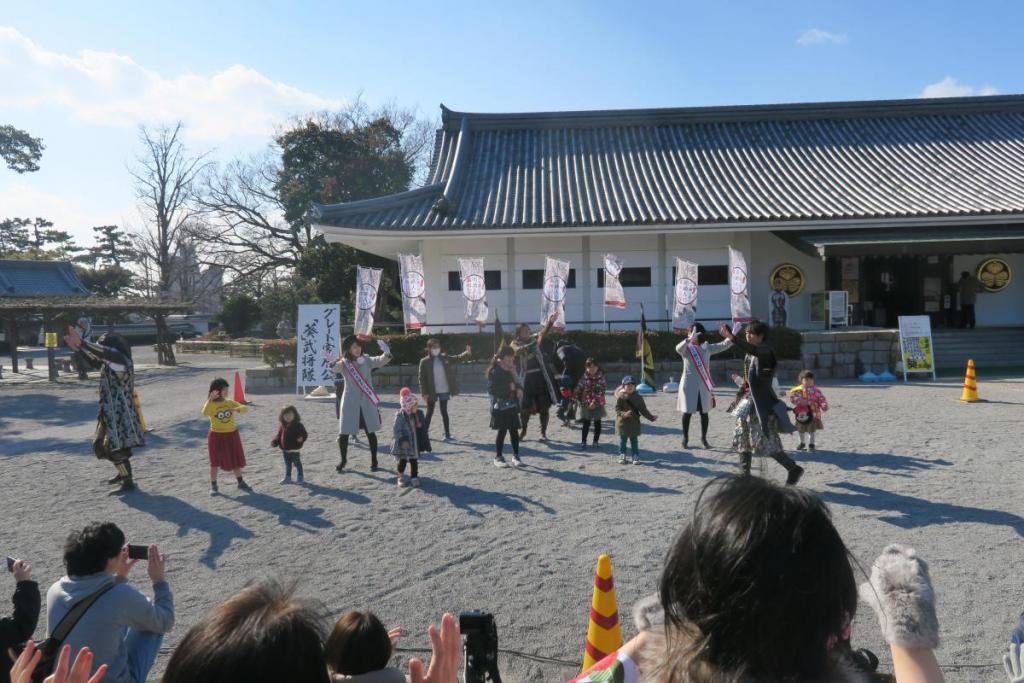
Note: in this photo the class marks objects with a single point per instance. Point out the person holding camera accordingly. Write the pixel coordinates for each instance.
(19, 627)
(122, 627)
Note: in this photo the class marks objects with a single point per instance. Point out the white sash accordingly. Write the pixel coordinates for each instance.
(702, 370)
(360, 381)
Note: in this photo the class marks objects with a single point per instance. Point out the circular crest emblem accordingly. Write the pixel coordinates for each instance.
(738, 280)
(994, 274)
(414, 285)
(686, 291)
(554, 289)
(473, 287)
(366, 296)
(787, 278)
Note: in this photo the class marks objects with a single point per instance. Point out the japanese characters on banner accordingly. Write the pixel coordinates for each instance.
(367, 284)
(613, 294)
(414, 302)
(684, 310)
(556, 284)
(474, 288)
(318, 339)
(739, 287)
(916, 345)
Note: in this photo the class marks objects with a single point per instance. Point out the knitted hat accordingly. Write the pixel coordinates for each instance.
(628, 379)
(409, 400)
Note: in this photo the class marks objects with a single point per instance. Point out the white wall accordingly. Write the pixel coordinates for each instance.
(1000, 308)
(765, 253)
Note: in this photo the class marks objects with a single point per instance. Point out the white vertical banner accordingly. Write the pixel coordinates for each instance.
(474, 289)
(414, 302)
(613, 294)
(556, 284)
(684, 307)
(318, 339)
(739, 287)
(367, 284)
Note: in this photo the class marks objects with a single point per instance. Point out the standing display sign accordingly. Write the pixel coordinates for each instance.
(317, 347)
(613, 294)
(916, 345)
(367, 284)
(556, 284)
(474, 289)
(838, 308)
(739, 287)
(414, 287)
(684, 310)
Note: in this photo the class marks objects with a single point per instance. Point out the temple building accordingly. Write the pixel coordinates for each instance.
(888, 201)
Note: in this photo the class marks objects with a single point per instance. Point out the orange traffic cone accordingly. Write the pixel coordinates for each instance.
(604, 633)
(970, 392)
(239, 391)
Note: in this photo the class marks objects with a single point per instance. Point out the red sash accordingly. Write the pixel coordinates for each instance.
(360, 381)
(702, 370)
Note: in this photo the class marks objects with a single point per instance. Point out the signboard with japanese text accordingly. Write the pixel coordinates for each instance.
(318, 341)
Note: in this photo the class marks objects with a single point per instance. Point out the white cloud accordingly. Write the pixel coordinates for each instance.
(817, 36)
(22, 200)
(106, 88)
(950, 87)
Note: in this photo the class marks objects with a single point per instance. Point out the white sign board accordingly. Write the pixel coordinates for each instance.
(318, 340)
(838, 308)
(916, 345)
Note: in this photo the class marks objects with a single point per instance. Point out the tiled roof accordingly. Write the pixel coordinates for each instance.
(39, 278)
(778, 163)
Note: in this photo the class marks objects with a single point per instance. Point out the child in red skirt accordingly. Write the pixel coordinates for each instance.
(224, 444)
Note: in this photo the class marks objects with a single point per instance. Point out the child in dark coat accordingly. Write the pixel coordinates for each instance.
(291, 436)
(629, 406)
(410, 437)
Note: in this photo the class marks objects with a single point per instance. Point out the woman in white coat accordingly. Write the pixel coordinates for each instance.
(695, 390)
(359, 401)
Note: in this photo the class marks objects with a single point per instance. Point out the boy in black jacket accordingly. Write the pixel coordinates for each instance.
(19, 627)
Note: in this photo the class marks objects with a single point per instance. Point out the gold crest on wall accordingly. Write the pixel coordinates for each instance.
(994, 274)
(787, 278)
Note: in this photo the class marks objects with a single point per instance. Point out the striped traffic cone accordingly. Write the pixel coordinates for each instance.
(970, 392)
(604, 633)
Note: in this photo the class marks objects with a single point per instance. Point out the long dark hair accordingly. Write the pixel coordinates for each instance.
(218, 384)
(755, 586)
(358, 644)
(264, 633)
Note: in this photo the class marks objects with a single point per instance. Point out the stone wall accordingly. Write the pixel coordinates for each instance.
(845, 355)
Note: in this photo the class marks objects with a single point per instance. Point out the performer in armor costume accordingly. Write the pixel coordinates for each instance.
(532, 354)
(118, 427)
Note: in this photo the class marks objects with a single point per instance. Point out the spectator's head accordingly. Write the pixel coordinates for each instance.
(264, 633)
(358, 644)
(592, 366)
(434, 347)
(757, 332)
(220, 386)
(807, 378)
(94, 549)
(759, 585)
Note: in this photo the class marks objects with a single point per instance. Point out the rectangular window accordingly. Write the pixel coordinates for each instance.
(534, 279)
(709, 275)
(492, 280)
(629, 277)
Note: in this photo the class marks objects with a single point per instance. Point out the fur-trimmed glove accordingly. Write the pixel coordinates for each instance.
(648, 613)
(900, 591)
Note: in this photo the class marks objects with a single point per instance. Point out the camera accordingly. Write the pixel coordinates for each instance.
(481, 639)
(10, 563)
(138, 552)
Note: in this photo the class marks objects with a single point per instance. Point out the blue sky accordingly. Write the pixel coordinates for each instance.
(83, 77)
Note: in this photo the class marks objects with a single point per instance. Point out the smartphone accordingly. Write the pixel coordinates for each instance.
(10, 563)
(138, 552)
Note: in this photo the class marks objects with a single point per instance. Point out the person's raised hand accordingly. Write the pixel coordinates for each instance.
(77, 672)
(156, 564)
(26, 663)
(724, 330)
(125, 565)
(394, 634)
(22, 570)
(654, 418)
(445, 654)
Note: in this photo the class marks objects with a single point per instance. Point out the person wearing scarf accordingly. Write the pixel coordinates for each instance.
(696, 387)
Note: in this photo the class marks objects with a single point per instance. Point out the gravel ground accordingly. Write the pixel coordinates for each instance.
(897, 463)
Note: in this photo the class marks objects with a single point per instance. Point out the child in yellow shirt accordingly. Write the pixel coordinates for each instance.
(223, 442)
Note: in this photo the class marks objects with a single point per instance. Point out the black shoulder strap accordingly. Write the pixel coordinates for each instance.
(75, 614)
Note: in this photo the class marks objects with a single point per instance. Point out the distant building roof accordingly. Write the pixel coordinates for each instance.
(777, 164)
(27, 279)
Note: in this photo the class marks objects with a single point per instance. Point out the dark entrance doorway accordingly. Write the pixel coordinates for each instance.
(890, 286)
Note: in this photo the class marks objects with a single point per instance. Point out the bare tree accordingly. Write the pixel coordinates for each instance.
(165, 176)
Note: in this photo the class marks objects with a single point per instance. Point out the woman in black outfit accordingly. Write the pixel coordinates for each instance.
(506, 394)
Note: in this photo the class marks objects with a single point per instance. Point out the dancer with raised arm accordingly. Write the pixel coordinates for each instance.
(532, 354)
(359, 401)
(696, 393)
